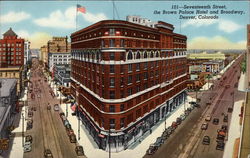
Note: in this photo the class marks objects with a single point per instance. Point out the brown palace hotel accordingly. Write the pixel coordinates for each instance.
(126, 77)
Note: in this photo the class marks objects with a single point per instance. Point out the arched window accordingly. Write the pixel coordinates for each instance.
(151, 54)
(157, 54)
(138, 56)
(93, 55)
(130, 55)
(145, 55)
(97, 55)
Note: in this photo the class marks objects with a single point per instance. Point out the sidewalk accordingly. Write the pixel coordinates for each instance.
(234, 130)
(91, 150)
(16, 149)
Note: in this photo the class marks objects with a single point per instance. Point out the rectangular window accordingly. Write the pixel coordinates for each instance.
(137, 77)
(112, 94)
(122, 43)
(122, 107)
(112, 123)
(145, 65)
(129, 91)
(112, 82)
(112, 32)
(121, 69)
(129, 67)
(129, 79)
(112, 69)
(112, 56)
(111, 108)
(122, 122)
(122, 81)
(137, 88)
(138, 67)
(145, 75)
(112, 43)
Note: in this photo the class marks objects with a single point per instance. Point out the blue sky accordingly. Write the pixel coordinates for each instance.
(40, 20)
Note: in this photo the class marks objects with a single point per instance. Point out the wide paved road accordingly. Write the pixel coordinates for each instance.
(186, 140)
(48, 130)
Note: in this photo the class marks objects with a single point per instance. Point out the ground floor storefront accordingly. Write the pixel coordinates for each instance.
(121, 140)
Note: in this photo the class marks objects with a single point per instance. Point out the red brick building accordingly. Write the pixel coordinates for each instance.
(11, 50)
(126, 77)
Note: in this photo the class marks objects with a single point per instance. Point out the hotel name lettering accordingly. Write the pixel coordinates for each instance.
(199, 11)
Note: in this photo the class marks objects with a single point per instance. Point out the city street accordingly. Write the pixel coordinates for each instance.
(186, 141)
(48, 131)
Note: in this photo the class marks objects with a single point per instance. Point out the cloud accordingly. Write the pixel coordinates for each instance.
(216, 42)
(199, 23)
(37, 39)
(67, 19)
(229, 26)
(93, 18)
(223, 25)
(14, 17)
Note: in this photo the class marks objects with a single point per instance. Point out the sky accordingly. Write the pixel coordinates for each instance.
(38, 21)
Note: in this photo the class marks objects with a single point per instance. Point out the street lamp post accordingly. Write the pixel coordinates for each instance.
(23, 130)
(78, 104)
(109, 144)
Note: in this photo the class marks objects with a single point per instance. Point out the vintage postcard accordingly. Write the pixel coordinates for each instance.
(124, 79)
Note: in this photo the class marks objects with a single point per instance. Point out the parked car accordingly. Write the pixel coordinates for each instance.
(224, 128)
(152, 149)
(206, 140)
(28, 138)
(69, 132)
(159, 141)
(29, 125)
(174, 125)
(48, 153)
(208, 118)
(220, 145)
(72, 138)
(183, 117)
(178, 120)
(30, 113)
(225, 119)
(216, 121)
(204, 126)
(79, 150)
(56, 107)
(230, 110)
(27, 147)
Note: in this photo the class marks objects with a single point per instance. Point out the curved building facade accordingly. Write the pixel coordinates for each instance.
(125, 78)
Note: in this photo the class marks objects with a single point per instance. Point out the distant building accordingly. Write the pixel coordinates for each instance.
(8, 105)
(12, 58)
(142, 21)
(11, 50)
(125, 78)
(51, 53)
(208, 56)
(62, 74)
(59, 58)
(27, 52)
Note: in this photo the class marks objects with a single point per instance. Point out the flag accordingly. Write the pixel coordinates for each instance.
(80, 8)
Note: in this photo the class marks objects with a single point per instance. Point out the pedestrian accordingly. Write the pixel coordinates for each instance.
(150, 131)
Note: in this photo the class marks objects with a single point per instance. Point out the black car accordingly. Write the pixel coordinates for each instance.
(152, 149)
(206, 140)
(178, 120)
(225, 119)
(216, 121)
(79, 150)
(47, 153)
(28, 138)
(220, 145)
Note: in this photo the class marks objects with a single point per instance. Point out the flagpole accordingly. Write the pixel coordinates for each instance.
(76, 16)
